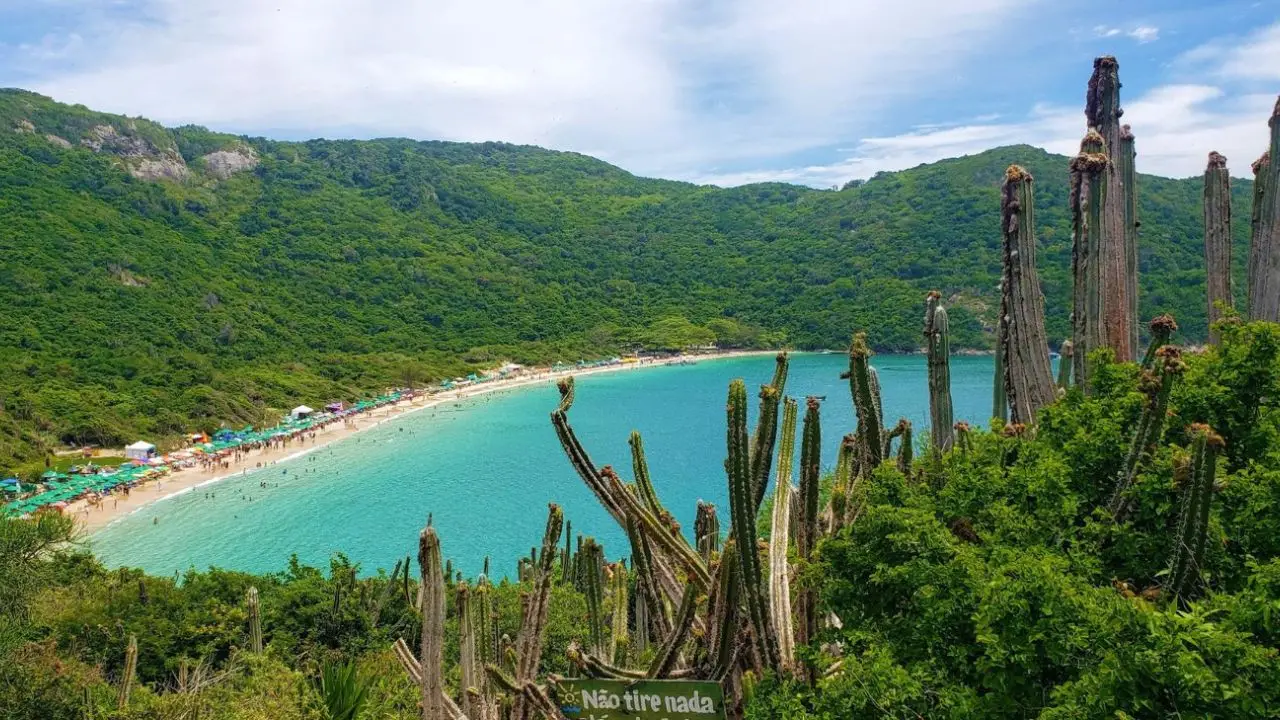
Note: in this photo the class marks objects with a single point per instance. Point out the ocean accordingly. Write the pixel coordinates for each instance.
(486, 467)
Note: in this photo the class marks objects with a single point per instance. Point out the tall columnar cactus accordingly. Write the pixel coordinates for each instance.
(472, 690)
(486, 633)
(937, 346)
(1126, 166)
(742, 489)
(779, 570)
(706, 529)
(1187, 557)
(902, 431)
(619, 615)
(1028, 380)
(865, 403)
(1217, 240)
(127, 674)
(999, 395)
(1088, 196)
(964, 440)
(1065, 352)
(593, 557)
(1103, 111)
(1157, 384)
(1264, 249)
(807, 537)
(255, 618)
(566, 557)
(534, 625)
(432, 646)
(766, 434)
(1162, 329)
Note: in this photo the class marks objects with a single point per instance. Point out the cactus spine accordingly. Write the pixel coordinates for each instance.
(1156, 384)
(1193, 523)
(1088, 195)
(255, 619)
(742, 492)
(1217, 240)
(1065, 352)
(1027, 378)
(431, 591)
(937, 344)
(127, 675)
(779, 571)
(865, 403)
(1264, 249)
(1103, 112)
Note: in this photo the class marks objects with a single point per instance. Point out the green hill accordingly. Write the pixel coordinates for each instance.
(159, 280)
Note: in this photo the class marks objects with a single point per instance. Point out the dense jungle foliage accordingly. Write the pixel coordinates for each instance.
(990, 583)
(151, 307)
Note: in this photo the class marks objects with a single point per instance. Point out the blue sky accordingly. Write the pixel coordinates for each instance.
(715, 91)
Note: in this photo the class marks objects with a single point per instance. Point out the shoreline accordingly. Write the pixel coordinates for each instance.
(91, 519)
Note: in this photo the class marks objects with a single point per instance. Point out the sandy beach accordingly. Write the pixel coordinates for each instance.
(93, 518)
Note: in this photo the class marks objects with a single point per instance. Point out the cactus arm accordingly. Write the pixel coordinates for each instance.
(742, 505)
(1187, 557)
(1065, 359)
(937, 339)
(534, 625)
(999, 398)
(1264, 248)
(1157, 384)
(669, 652)
(779, 570)
(127, 675)
(255, 619)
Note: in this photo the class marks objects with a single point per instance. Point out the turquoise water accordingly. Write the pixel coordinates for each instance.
(487, 467)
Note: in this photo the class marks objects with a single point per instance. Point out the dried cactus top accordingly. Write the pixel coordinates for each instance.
(1275, 113)
(1126, 132)
(1163, 324)
(1212, 439)
(1217, 161)
(1067, 349)
(1261, 164)
(1017, 173)
(1104, 81)
(1172, 357)
(859, 348)
(933, 295)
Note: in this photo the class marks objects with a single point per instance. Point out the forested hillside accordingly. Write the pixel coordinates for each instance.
(159, 280)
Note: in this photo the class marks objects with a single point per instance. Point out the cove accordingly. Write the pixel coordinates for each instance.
(485, 468)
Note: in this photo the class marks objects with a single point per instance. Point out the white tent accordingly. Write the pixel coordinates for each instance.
(140, 450)
(300, 412)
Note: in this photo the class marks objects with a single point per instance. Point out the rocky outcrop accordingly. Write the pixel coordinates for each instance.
(143, 159)
(225, 163)
(60, 142)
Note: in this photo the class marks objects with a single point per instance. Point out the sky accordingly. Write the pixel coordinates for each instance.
(816, 92)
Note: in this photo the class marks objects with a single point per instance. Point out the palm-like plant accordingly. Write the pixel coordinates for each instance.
(342, 691)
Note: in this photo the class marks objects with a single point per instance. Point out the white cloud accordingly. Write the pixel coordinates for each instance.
(1104, 31)
(1144, 33)
(1175, 125)
(658, 86)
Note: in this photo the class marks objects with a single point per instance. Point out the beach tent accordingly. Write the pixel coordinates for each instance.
(140, 450)
(300, 412)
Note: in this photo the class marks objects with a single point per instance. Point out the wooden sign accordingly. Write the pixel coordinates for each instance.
(640, 700)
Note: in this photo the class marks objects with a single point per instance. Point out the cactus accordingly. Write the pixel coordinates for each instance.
(432, 646)
(865, 403)
(766, 434)
(618, 603)
(1028, 380)
(566, 557)
(779, 571)
(1156, 384)
(127, 675)
(669, 653)
(1187, 557)
(742, 508)
(937, 346)
(593, 557)
(1103, 112)
(807, 535)
(468, 661)
(1065, 352)
(1088, 193)
(1264, 249)
(964, 440)
(255, 619)
(902, 431)
(706, 530)
(1217, 240)
(999, 398)
(1162, 328)
(486, 635)
(722, 608)
(1127, 169)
